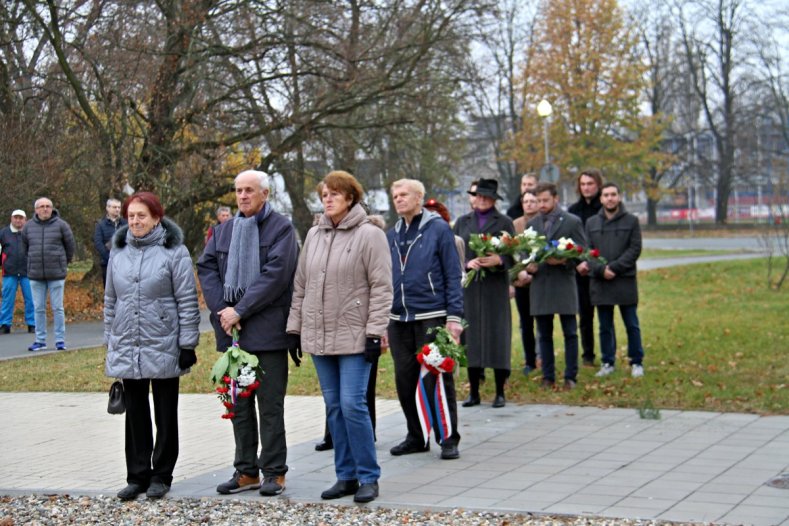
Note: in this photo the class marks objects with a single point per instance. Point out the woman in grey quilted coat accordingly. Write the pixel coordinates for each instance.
(151, 321)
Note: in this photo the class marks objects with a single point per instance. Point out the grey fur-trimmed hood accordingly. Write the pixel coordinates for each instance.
(173, 237)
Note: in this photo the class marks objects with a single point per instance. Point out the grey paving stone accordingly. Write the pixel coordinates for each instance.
(628, 512)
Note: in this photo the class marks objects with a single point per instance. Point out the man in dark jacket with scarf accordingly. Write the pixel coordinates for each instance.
(14, 258)
(427, 290)
(246, 273)
(105, 229)
(588, 185)
(49, 243)
(617, 235)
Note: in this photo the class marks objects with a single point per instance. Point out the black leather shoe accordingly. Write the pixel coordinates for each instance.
(547, 384)
(569, 385)
(324, 445)
(471, 401)
(499, 401)
(588, 362)
(157, 490)
(406, 448)
(131, 492)
(341, 488)
(366, 493)
(449, 452)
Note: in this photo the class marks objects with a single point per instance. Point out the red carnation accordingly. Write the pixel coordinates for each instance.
(228, 416)
(245, 394)
(254, 385)
(570, 246)
(580, 250)
(222, 390)
(595, 253)
(228, 405)
(226, 379)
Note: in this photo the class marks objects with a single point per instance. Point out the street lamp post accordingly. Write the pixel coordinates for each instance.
(544, 110)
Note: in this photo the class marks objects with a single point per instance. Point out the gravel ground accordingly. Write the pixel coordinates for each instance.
(63, 509)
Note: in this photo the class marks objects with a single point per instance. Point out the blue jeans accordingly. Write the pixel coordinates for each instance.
(545, 332)
(343, 381)
(55, 288)
(635, 351)
(10, 284)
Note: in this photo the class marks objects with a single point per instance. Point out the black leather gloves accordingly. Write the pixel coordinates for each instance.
(186, 358)
(294, 348)
(372, 349)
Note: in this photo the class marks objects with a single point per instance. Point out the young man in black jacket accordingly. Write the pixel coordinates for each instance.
(588, 185)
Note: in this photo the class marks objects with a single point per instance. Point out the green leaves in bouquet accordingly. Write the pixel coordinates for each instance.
(448, 346)
(231, 361)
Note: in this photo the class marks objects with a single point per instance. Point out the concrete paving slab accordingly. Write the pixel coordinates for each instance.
(507, 463)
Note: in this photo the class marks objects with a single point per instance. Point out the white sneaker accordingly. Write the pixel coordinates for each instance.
(605, 370)
(636, 371)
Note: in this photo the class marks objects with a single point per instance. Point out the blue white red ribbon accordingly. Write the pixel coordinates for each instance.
(426, 419)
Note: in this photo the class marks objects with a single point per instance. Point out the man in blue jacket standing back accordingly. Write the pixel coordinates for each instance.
(50, 246)
(14, 258)
(426, 280)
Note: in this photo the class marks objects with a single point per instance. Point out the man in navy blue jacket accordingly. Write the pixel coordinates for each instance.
(105, 230)
(427, 288)
(14, 260)
(246, 272)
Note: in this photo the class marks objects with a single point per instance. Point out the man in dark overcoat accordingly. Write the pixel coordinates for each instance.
(246, 273)
(553, 289)
(617, 235)
(486, 299)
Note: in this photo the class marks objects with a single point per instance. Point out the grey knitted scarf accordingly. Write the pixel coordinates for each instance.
(243, 258)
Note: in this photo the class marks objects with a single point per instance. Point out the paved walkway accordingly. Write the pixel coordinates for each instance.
(687, 466)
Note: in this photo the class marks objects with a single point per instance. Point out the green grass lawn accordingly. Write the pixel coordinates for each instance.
(715, 339)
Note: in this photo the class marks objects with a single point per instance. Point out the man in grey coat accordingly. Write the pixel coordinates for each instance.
(246, 273)
(553, 289)
(617, 235)
(49, 244)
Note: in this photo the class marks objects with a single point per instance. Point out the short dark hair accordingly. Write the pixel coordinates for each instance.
(611, 185)
(546, 187)
(149, 199)
(594, 173)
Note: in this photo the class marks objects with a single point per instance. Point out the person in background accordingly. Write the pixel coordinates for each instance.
(441, 209)
(151, 328)
(472, 193)
(617, 235)
(104, 232)
(528, 182)
(223, 213)
(426, 278)
(340, 308)
(246, 273)
(588, 186)
(552, 290)
(14, 263)
(486, 299)
(521, 286)
(49, 244)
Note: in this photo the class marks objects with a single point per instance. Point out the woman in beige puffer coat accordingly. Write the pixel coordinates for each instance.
(340, 308)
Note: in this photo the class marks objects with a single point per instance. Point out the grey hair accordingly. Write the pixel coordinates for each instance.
(413, 184)
(223, 209)
(263, 178)
(112, 200)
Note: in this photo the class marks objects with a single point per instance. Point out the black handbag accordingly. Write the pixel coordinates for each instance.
(116, 406)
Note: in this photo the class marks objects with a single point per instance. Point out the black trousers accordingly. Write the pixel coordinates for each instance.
(585, 317)
(147, 459)
(405, 339)
(268, 404)
(527, 326)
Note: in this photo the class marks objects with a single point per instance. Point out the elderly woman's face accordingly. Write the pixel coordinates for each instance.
(484, 203)
(140, 219)
(335, 203)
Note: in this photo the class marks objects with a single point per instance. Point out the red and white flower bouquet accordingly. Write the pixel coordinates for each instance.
(237, 374)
